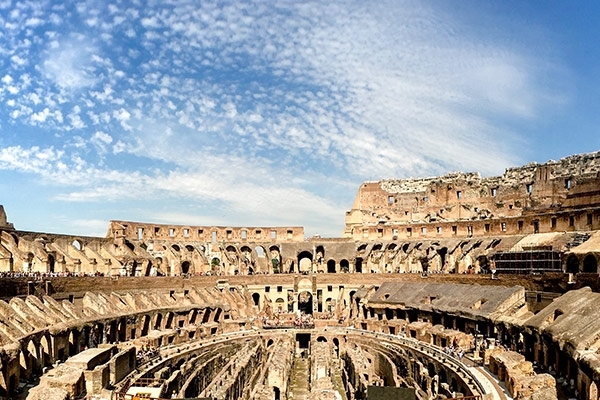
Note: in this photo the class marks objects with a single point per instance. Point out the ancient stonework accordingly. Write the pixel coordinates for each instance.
(438, 284)
(552, 197)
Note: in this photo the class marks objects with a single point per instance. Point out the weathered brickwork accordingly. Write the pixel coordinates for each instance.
(422, 278)
(552, 197)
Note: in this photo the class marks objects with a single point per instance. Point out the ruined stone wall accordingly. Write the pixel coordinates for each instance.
(147, 231)
(555, 196)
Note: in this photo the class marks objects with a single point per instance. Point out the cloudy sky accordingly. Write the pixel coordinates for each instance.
(272, 113)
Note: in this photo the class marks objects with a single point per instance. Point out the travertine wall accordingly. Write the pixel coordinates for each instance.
(555, 196)
(141, 230)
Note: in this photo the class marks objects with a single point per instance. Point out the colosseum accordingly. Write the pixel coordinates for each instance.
(454, 286)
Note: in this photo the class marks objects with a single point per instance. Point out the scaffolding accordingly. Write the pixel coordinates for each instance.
(528, 261)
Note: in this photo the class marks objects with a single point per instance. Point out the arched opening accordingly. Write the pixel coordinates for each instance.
(305, 302)
(590, 264)
(51, 262)
(260, 251)
(112, 332)
(484, 263)
(77, 244)
(275, 257)
(31, 359)
(593, 391)
(122, 330)
(45, 352)
(189, 247)
(329, 305)
(331, 266)
(145, 325)
(256, 299)
(431, 370)
(157, 322)
(215, 266)
(322, 339)
(192, 317)
(176, 248)
(305, 261)
(185, 267)
(572, 264)
(344, 266)
(276, 393)
(280, 305)
(169, 321)
(217, 315)
(336, 347)
(442, 252)
(73, 342)
(24, 365)
(358, 265)
(443, 376)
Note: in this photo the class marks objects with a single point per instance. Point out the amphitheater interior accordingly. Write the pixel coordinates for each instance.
(447, 287)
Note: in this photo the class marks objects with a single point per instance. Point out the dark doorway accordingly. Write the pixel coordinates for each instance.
(305, 302)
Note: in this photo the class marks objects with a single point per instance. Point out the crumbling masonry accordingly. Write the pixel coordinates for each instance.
(431, 273)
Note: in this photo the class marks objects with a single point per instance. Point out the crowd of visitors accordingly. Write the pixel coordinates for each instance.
(300, 320)
(146, 353)
(45, 275)
(454, 350)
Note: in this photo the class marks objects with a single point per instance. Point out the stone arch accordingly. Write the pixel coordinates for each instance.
(145, 325)
(572, 264)
(192, 316)
(305, 259)
(280, 304)
(122, 330)
(73, 342)
(275, 259)
(256, 299)
(24, 364)
(431, 370)
(590, 264)
(344, 266)
(215, 265)
(31, 357)
(322, 339)
(51, 263)
(329, 304)
(358, 263)
(45, 351)
(77, 244)
(305, 302)
(319, 254)
(593, 391)
(442, 252)
(157, 321)
(185, 267)
(443, 376)
(176, 248)
(260, 251)
(218, 313)
(169, 320)
(331, 267)
(189, 248)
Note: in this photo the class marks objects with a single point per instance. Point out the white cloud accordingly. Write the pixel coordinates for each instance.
(101, 140)
(217, 102)
(67, 64)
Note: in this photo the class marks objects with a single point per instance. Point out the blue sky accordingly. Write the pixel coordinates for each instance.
(273, 113)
